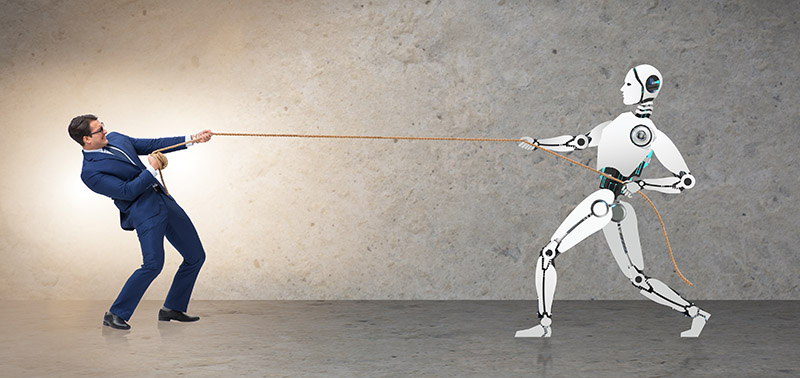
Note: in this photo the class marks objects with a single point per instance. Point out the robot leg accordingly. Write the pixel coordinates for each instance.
(659, 292)
(622, 235)
(587, 218)
(546, 278)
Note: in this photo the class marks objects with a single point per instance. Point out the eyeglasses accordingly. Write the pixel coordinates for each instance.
(100, 130)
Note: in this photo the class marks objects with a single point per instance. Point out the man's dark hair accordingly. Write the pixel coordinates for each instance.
(79, 127)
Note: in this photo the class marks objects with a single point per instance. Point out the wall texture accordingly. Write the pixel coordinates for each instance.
(332, 219)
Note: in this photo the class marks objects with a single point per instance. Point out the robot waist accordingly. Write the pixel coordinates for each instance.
(606, 183)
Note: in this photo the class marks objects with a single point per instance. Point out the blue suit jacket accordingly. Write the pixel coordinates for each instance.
(129, 185)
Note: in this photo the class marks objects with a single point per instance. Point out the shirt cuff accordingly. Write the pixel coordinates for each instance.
(152, 171)
(188, 138)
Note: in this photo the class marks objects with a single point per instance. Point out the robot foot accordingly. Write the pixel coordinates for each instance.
(537, 331)
(541, 330)
(698, 322)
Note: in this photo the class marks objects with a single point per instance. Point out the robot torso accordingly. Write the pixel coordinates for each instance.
(625, 148)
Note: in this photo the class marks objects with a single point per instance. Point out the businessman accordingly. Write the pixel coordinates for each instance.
(111, 167)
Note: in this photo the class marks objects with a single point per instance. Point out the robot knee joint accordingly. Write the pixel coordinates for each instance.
(640, 281)
(548, 254)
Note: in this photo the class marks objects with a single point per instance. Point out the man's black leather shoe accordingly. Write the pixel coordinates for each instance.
(166, 316)
(115, 321)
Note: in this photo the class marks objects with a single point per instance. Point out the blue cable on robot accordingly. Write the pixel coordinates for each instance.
(625, 147)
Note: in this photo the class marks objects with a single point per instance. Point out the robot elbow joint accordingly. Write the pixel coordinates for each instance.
(580, 142)
(685, 181)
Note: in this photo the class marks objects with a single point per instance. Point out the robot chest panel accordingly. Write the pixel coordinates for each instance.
(625, 142)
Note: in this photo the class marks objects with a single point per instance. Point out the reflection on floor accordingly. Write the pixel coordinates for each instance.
(399, 338)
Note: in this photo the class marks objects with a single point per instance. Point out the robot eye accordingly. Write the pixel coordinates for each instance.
(629, 84)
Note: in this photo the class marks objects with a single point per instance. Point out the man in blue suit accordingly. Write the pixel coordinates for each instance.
(111, 167)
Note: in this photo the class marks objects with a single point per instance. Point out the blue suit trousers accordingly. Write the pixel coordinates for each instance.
(173, 223)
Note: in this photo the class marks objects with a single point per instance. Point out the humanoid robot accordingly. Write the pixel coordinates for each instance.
(625, 147)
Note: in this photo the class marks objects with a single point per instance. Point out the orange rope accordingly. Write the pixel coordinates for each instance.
(663, 228)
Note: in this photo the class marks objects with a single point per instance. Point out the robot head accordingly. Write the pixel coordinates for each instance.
(642, 84)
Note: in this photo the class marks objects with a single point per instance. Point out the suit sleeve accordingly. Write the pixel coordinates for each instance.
(145, 146)
(116, 188)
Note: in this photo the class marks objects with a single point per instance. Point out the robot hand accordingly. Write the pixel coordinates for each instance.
(632, 187)
(528, 146)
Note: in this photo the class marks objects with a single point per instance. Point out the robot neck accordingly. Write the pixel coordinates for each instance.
(644, 109)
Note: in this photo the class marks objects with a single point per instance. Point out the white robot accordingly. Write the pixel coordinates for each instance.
(625, 146)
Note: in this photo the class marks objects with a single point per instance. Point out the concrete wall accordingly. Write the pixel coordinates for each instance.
(351, 219)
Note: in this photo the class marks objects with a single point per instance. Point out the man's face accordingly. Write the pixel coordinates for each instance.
(97, 139)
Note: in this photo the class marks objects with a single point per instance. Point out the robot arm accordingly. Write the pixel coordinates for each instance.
(671, 159)
(566, 143)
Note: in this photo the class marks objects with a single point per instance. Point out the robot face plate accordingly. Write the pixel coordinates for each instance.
(631, 89)
(641, 135)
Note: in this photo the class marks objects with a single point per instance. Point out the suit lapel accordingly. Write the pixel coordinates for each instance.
(101, 156)
(98, 156)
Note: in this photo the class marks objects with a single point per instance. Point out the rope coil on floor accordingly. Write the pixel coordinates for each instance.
(318, 136)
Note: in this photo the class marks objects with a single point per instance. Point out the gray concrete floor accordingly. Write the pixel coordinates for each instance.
(399, 338)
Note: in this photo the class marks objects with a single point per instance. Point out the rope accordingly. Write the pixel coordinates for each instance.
(162, 163)
(663, 228)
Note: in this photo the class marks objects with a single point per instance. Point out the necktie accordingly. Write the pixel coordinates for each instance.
(119, 153)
